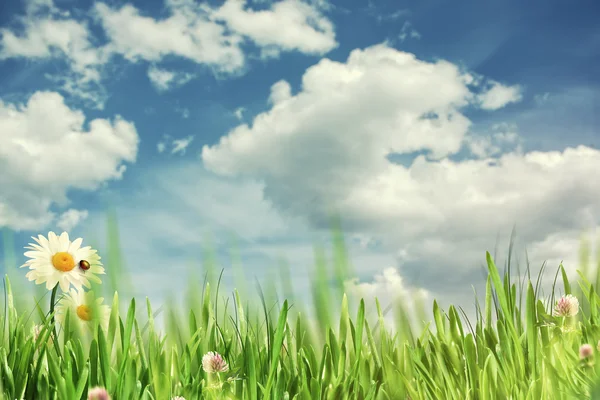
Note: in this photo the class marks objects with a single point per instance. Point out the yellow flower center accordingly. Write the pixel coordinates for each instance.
(84, 313)
(63, 261)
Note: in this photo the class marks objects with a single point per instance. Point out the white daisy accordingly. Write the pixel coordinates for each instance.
(58, 260)
(84, 308)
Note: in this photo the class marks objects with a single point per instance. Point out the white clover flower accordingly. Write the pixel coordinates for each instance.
(58, 260)
(98, 393)
(566, 306)
(214, 362)
(36, 330)
(585, 351)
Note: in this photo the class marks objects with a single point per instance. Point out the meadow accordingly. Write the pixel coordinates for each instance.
(261, 343)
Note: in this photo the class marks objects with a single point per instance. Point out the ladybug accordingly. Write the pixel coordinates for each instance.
(84, 265)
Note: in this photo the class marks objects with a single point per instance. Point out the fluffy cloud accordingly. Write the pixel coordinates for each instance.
(187, 33)
(501, 138)
(52, 36)
(71, 218)
(326, 148)
(214, 36)
(498, 96)
(47, 33)
(46, 151)
(164, 80)
(288, 25)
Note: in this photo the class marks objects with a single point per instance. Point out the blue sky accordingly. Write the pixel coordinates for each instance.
(432, 127)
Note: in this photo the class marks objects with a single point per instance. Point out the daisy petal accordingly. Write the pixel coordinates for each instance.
(75, 245)
(64, 242)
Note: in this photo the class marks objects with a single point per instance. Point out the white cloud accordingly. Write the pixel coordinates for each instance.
(498, 96)
(280, 92)
(54, 35)
(164, 80)
(46, 151)
(269, 52)
(187, 33)
(177, 145)
(34, 6)
(239, 113)
(214, 36)
(325, 148)
(389, 288)
(369, 98)
(288, 25)
(502, 137)
(408, 32)
(45, 37)
(71, 218)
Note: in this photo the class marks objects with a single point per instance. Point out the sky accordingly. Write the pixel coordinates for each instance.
(433, 128)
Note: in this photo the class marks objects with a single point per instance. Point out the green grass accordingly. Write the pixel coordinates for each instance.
(279, 349)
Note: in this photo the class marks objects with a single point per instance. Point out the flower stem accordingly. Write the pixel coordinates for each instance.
(52, 299)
